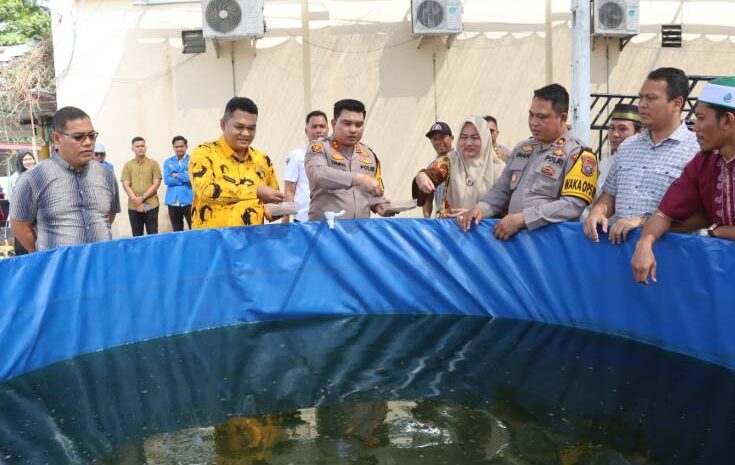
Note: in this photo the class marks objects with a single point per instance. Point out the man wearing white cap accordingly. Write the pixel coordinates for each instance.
(704, 194)
(100, 154)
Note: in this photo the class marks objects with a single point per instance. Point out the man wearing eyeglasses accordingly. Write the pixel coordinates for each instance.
(66, 200)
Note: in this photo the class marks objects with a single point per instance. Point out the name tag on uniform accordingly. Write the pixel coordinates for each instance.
(553, 159)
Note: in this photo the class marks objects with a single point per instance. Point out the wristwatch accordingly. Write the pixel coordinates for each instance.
(711, 230)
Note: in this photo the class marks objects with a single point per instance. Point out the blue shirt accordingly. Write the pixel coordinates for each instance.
(67, 206)
(642, 171)
(179, 191)
(108, 165)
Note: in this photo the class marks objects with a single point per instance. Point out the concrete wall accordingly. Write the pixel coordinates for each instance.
(123, 64)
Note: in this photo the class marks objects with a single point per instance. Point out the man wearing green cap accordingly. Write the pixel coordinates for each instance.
(704, 194)
(624, 122)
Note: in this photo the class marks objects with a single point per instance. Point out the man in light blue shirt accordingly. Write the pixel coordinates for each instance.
(176, 176)
(100, 153)
(646, 164)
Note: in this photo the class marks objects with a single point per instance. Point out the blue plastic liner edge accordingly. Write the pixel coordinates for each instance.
(62, 303)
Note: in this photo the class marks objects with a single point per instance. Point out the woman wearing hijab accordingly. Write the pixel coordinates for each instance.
(467, 172)
(23, 163)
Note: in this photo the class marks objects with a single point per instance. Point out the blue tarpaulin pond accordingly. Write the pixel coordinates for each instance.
(62, 303)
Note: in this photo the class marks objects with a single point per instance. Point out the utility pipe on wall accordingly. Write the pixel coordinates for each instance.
(581, 69)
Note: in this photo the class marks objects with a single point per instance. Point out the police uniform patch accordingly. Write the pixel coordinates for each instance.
(581, 181)
(316, 147)
(366, 160)
(589, 163)
(559, 152)
(561, 141)
(548, 170)
(337, 156)
(527, 148)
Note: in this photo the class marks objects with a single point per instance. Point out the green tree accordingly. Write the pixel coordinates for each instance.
(22, 21)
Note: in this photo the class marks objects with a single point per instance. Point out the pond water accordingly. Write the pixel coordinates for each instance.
(373, 390)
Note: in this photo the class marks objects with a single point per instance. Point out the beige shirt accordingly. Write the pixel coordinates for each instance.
(502, 152)
(140, 175)
(330, 171)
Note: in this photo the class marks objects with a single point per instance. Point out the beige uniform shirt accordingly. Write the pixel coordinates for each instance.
(330, 171)
(547, 183)
(502, 152)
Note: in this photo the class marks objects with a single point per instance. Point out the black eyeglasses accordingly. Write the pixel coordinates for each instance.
(79, 137)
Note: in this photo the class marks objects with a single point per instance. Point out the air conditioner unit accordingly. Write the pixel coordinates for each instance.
(436, 17)
(617, 18)
(232, 19)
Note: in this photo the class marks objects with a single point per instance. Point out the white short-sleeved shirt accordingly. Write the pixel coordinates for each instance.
(604, 169)
(295, 172)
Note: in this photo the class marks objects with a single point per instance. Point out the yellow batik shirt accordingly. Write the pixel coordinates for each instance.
(225, 188)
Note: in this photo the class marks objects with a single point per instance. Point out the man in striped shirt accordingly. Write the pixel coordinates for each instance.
(66, 200)
(646, 164)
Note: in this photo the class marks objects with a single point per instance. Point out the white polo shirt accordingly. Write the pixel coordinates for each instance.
(295, 172)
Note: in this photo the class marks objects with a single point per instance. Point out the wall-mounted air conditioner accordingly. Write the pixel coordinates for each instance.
(616, 18)
(436, 17)
(232, 19)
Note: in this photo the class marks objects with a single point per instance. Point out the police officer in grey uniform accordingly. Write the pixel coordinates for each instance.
(343, 173)
(549, 177)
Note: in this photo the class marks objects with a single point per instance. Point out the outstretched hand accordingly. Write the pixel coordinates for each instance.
(643, 264)
(620, 229)
(424, 183)
(367, 184)
(509, 226)
(467, 220)
(592, 222)
(267, 194)
(381, 210)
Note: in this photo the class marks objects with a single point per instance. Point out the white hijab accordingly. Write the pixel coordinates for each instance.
(471, 178)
